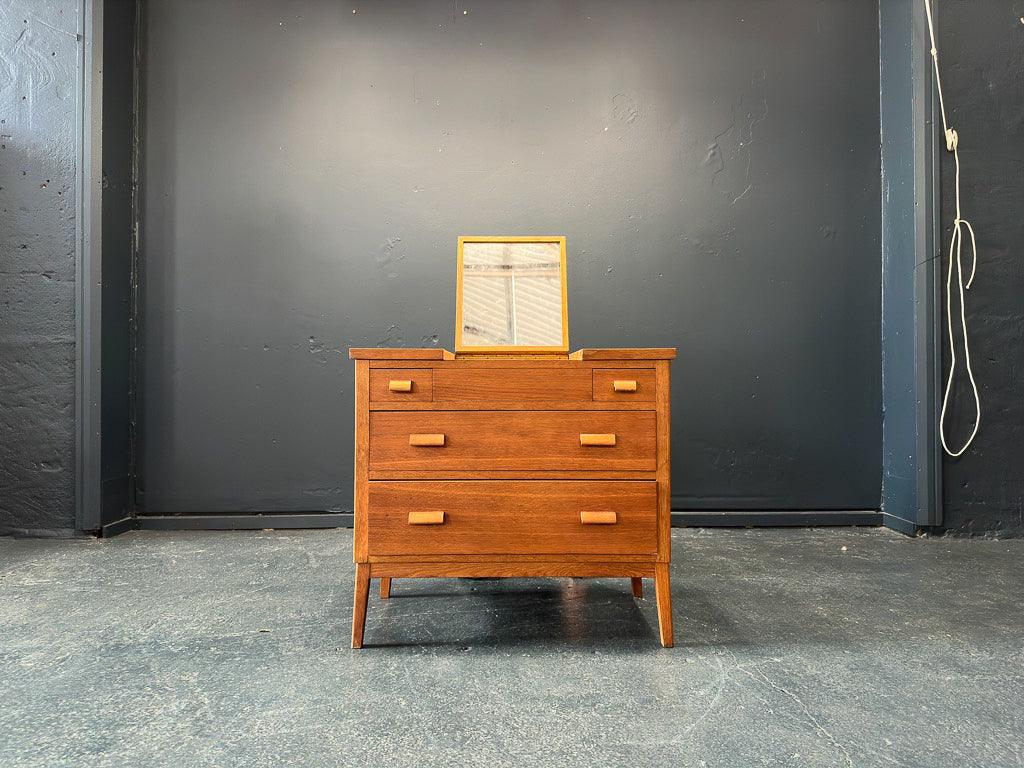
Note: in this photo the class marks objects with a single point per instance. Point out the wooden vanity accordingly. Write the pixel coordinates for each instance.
(554, 466)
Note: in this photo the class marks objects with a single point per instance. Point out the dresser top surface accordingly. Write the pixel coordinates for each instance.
(432, 353)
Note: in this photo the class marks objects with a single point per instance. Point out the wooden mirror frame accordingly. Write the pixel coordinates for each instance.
(562, 348)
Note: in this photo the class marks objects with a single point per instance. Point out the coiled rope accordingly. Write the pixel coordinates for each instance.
(955, 253)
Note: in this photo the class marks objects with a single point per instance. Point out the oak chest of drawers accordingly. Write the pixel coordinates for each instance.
(532, 467)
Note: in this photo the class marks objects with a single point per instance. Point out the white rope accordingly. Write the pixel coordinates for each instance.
(955, 248)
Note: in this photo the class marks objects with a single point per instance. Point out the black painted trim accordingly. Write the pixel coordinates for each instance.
(928, 303)
(284, 520)
(88, 274)
(243, 522)
(118, 527)
(791, 518)
(900, 525)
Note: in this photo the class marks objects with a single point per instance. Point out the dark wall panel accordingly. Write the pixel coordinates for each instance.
(981, 50)
(899, 257)
(38, 118)
(118, 144)
(307, 169)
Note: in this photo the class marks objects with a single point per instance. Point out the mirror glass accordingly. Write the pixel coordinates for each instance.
(512, 294)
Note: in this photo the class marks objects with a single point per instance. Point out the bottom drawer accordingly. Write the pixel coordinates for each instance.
(515, 517)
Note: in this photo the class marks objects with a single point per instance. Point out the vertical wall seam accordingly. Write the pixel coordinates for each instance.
(938, 516)
(88, 269)
(134, 307)
(80, 110)
(881, 255)
(927, 259)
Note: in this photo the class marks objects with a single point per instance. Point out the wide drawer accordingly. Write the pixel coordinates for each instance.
(512, 440)
(530, 517)
(521, 385)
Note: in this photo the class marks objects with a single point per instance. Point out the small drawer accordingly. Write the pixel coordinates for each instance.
(453, 441)
(517, 385)
(626, 385)
(514, 517)
(398, 385)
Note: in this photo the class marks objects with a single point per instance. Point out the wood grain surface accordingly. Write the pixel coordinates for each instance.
(553, 569)
(513, 517)
(379, 353)
(663, 594)
(514, 405)
(361, 459)
(521, 384)
(654, 353)
(664, 470)
(511, 440)
(362, 593)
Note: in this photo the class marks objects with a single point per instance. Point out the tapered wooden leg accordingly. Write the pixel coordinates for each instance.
(385, 587)
(359, 610)
(638, 586)
(663, 592)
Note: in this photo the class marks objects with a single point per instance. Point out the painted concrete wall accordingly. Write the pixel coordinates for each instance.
(38, 114)
(981, 48)
(714, 165)
(981, 45)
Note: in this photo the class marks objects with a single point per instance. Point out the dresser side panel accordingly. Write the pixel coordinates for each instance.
(664, 462)
(362, 460)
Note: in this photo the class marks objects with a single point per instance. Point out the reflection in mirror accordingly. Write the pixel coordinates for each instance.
(512, 294)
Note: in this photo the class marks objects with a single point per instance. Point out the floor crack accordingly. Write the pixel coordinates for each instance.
(757, 674)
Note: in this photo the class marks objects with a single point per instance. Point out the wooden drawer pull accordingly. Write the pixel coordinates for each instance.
(624, 385)
(397, 385)
(598, 518)
(428, 517)
(426, 439)
(597, 439)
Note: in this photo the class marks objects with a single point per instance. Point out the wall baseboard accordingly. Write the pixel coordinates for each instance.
(118, 527)
(773, 518)
(252, 521)
(680, 519)
(900, 525)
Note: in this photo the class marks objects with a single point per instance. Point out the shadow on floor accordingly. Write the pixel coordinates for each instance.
(524, 613)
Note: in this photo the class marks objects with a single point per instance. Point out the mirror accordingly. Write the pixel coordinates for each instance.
(511, 295)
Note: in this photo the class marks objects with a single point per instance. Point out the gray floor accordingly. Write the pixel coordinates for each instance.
(832, 647)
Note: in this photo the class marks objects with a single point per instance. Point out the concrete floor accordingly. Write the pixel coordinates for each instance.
(231, 649)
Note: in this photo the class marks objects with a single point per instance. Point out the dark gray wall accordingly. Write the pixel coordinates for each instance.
(307, 169)
(981, 50)
(38, 117)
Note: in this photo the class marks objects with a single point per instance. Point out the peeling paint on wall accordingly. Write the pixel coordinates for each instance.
(38, 113)
(982, 65)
